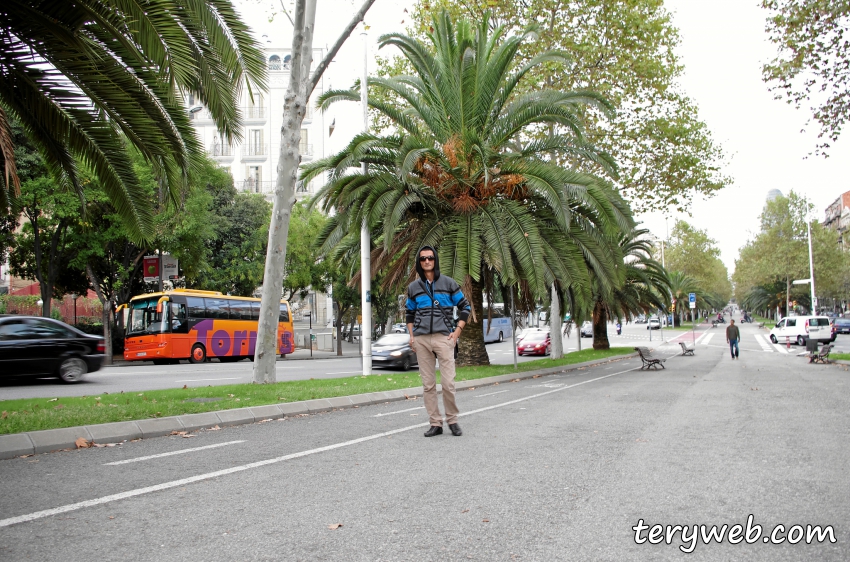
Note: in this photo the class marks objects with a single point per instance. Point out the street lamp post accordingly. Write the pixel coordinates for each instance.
(40, 304)
(811, 279)
(75, 296)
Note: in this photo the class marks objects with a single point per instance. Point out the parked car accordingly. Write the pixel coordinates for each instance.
(393, 350)
(842, 325)
(641, 319)
(535, 343)
(653, 324)
(400, 328)
(355, 331)
(35, 346)
(587, 329)
(798, 329)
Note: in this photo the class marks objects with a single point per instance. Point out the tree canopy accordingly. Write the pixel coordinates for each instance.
(694, 253)
(625, 51)
(84, 78)
(811, 67)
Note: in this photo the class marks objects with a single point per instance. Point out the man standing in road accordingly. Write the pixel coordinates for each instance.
(430, 300)
(732, 336)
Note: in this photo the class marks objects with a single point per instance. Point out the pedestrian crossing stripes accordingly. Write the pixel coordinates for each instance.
(705, 339)
(764, 342)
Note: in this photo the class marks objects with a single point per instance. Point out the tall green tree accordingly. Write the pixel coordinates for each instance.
(811, 67)
(693, 252)
(626, 51)
(303, 268)
(780, 252)
(461, 173)
(84, 78)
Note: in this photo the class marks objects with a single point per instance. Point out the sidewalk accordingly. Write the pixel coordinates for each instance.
(35, 442)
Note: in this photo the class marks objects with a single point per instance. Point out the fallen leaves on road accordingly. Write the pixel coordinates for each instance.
(515, 380)
(179, 432)
(536, 377)
(485, 520)
(334, 526)
(214, 428)
(753, 388)
(82, 443)
(465, 511)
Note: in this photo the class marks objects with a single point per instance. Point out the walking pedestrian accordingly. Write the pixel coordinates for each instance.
(732, 337)
(430, 300)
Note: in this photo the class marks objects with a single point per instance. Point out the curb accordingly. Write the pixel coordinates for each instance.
(49, 440)
(123, 363)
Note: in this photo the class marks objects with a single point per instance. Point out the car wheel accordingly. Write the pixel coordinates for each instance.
(501, 337)
(72, 370)
(801, 340)
(198, 354)
(405, 364)
(773, 338)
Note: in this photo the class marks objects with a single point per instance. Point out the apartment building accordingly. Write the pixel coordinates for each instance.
(838, 218)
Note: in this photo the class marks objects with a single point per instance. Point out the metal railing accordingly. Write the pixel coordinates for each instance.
(255, 150)
(255, 112)
(216, 149)
(251, 185)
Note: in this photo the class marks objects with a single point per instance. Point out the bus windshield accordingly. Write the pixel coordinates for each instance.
(144, 319)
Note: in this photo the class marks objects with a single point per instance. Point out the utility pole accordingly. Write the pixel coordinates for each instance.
(365, 237)
(812, 268)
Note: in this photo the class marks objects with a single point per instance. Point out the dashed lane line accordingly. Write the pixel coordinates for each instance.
(232, 470)
(397, 412)
(491, 393)
(172, 453)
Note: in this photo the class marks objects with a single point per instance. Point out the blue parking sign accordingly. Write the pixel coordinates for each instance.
(692, 297)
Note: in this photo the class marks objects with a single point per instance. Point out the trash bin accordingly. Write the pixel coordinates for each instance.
(812, 345)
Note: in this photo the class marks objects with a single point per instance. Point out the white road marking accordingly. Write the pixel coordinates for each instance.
(764, 342)
(706, 339)
(206, 380)
(192, 450)
(210, 475)
(491, 393)
(398, 412)
(780, 348)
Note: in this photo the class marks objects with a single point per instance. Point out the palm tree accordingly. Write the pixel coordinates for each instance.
(86, 77)
(681, 285)
(455, 174)
(644, 287)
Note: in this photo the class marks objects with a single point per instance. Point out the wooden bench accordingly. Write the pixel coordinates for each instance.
(685, 349)
(821, 356)
(648, 359)
(760, 325)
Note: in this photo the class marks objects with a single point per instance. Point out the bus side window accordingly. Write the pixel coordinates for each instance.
(255, 311)
(218, 308)
(179, 324)
(284, 312)
(195, 307)
(240, 310)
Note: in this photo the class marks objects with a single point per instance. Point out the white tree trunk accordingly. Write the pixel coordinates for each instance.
(301, 85)
(555, 326)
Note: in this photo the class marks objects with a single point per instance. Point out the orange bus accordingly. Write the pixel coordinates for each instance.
(196, 325)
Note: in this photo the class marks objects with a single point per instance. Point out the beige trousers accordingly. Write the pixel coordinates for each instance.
(425, 347)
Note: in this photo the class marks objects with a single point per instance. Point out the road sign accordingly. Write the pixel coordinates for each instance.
(692, 297)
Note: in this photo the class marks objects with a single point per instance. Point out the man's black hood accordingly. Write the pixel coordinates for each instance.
(419, 269)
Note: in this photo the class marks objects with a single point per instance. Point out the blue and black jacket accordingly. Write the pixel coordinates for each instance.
(429, 305)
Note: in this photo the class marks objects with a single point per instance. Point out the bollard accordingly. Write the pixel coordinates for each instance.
(788, 343)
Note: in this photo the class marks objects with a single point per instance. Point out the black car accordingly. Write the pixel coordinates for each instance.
(842, 325)
(35, 346)
(393, 350)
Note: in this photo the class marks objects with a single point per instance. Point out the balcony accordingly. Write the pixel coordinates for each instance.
(305, 149)
(220, 152)
(255, 152)
(254, 186)
(255, 114)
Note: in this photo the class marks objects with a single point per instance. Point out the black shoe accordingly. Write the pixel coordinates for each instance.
(434, 430)
(455, 429)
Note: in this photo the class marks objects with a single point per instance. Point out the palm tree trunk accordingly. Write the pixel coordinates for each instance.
(600, 326)
(471, 350)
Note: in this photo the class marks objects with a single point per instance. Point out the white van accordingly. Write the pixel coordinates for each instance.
(800, 328)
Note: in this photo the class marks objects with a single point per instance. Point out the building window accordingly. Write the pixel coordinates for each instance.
(274, 63)
(305, 147)
(286, 61)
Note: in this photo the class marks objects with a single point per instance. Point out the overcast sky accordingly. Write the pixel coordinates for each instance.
(723, 48)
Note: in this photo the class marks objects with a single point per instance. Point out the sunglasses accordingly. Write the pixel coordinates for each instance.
(426, 258)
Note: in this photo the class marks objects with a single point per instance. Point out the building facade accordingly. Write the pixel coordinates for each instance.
(838, 218)
(252, 162)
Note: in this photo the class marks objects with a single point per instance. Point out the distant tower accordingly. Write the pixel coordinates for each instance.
(773, 194)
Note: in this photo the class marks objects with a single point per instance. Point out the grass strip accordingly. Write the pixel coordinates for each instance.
(840, 356)
(35, 414)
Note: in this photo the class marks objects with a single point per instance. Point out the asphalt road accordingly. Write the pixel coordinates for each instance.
(136, 377)
(140, 376)
(555, 468)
